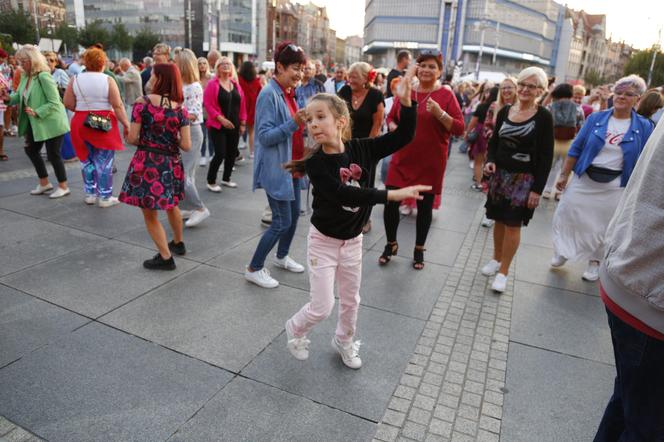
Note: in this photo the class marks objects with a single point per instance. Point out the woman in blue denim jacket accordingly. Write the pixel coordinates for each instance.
(277, 118)
(603, 156)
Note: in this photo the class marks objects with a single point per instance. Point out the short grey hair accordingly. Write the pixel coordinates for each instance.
(634, 81)
(538, 73)
(148, 61)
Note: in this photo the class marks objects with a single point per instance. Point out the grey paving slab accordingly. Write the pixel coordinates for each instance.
(450, 218)
(253, 412)
(553, 397)
(211, 314)
(26, 323)
(442, 245)
(566, 322)
(109, 222)
(27, 241)
(399, 288)
(40, 206)
(539, 230)
(533, 265)
(100, 278)
(388, 341)
(102, 384)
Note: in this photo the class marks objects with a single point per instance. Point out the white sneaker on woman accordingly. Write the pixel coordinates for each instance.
(405, 209)
(59, 193)
(592, 272)
(349, 352)
(299, 347)
(39, 190)
(197, 217)
(261, 278)
(499, 283)
(108, 202)
(216, 188)
(90, 200)
(558, 261)
(490, 268)
(486, 222)
(289, 264)
(230, 184)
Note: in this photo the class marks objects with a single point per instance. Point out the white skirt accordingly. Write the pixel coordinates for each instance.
(582, 216)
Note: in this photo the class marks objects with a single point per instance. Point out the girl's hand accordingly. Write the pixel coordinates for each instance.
(407, 192)
(533, 200)
(434, 108)
(490, 168)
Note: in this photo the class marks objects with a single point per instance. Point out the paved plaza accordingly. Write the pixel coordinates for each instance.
(94, 347)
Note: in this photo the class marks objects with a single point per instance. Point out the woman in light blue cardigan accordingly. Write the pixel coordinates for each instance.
(277, 118)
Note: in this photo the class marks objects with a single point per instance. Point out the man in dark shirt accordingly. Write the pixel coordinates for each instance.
(147, 71)
(403, 60)
(320, 75)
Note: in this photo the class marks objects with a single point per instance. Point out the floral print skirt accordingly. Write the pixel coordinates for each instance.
(507, 198)
(154, 181)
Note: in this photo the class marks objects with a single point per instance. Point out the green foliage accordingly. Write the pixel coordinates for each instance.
(594, 78)
(19, 26)
(144, 41)
(68, 35)
(93, 33)
(120, 38)
(640, 62)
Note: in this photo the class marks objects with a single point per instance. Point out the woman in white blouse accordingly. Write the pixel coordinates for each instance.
(193, 102)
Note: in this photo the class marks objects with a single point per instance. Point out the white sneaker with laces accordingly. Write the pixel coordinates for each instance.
(90, 200)
(592, 272)
(261, 278)
(59, 193)
(499, 283)
(486, 222)
(197, 217)
(185, 214)
(39, 190)
(490, 268)
(230, 184)
(349, 352)
(289, 264)
(299, 347)
(558, 261)
(108, 202)
(216, 188)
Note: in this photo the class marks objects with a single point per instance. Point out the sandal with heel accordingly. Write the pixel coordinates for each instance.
(391, 248)
(418, 258)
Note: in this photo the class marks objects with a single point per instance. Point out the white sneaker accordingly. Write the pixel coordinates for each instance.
(546, 194)
(59, 193)
(289, 264)
(471, 164)
(108, 202)
(349, 352)
(261, 278)
(197, 217)
(39, 190)
(592, 272)
(558, 261)
(299, 347)
(486, 222)
(490, 268)
(405, 210)
(90, 200)
(202, 162)
(499, 283)
(214, 188)
(230, 184)
(185, 214)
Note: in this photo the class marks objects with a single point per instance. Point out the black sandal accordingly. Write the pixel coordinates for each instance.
(391, 248)
(418, 258)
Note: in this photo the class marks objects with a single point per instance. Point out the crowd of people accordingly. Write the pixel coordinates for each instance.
(527, 137)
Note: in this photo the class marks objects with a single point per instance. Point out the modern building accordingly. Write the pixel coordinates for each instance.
(46, 14)
(352, 50)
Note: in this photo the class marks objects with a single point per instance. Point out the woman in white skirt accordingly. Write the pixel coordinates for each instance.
(602, 157)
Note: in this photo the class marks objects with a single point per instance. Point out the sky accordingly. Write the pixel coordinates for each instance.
(636, 24)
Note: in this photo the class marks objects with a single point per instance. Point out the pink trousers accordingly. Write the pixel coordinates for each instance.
(331, 259)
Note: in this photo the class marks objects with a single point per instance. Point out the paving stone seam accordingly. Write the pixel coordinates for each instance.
(12, 431)
(561, 353)
(570, 290)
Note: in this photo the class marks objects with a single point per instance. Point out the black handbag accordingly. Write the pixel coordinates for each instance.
(602, 175)
(97, 121)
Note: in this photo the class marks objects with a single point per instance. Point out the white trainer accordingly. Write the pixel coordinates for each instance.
(558, 261)
(185, 214)
(491, 268)
(592, 272)
(216, 188)
(39, 190)
(90, 200)
(230, 184)
(289, 264)
(299, 347)
(59, 193)
(349, 352)
(499, 283)
(108, 202)
(261, 278)
(197, 217)
(486, 222)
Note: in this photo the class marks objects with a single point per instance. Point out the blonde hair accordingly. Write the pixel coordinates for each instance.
(187, 63)
(37, 60)
(538, 73)
(339, 110)
(233, 70)
(578, 89)
(361, 68)
(207, 66)
(499, 100)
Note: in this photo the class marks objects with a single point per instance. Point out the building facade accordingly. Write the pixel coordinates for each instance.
(282, 25)
(46, 14)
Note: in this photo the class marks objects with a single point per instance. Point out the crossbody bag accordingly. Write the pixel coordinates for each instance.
(95, 120)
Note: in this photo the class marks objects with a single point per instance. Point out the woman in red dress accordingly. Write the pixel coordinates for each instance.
(251, 85)
(423, 161)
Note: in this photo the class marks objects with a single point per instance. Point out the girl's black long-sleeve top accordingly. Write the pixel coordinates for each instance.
(342, 197)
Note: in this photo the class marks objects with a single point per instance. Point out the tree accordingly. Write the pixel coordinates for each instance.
(594, 78)
(68, 35)
(93, 33)
(19, 25)
(120, 38)
(144, 41)
(640, 62)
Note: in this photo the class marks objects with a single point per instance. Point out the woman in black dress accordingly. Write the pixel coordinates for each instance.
(519, 161)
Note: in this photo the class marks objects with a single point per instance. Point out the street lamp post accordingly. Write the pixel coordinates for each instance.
(481, 51)
(655, 50)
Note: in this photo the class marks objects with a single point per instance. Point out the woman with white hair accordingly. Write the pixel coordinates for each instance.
(518, 164)
(602, 156)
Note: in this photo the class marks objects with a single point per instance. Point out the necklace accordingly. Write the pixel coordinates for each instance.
(418, 92)
(356, 100)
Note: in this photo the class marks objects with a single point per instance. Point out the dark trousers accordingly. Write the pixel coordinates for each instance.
(225, 150)
(423, 223)
(33, 151)
(636, 410)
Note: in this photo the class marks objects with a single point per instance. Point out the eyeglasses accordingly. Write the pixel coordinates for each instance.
(529, 86)
(625, 94)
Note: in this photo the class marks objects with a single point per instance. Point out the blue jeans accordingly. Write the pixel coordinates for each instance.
(636, 410)
(207, 145)
(384, 166)
(284, 222)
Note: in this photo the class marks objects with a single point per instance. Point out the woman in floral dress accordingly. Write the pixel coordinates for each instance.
(155, 178)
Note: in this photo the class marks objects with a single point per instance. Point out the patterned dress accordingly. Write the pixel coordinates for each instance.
(155, 178)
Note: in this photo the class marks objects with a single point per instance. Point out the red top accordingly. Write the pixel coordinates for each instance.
(81, 134)
(424, 159)
(627, 318)
(251, 90)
